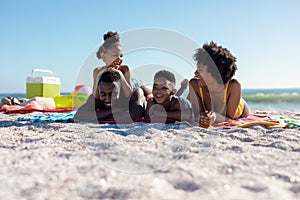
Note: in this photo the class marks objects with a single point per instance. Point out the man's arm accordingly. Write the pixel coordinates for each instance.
(92, 111)
(86, 112)
(137, 104)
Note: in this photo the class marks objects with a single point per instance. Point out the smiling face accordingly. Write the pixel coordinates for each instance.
(113, 57)
(109, 93)
(204, 75)
(163, 90)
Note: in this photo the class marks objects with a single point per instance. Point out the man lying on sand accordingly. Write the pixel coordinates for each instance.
(112, 104)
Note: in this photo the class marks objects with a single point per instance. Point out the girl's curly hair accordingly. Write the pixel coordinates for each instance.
(110, 39)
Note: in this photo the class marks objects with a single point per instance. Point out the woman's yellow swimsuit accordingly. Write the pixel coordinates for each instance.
(240, 109)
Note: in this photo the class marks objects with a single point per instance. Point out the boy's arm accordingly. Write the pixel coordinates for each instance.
(150, 103)
(185, 109)
(183, 87)
(179, 111)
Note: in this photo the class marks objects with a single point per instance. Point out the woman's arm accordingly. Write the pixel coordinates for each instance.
(233, 98)
(194, 97)
(208, 118)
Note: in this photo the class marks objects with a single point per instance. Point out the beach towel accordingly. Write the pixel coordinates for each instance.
(264, 120)
(66, 117)
(112, 121)
(289, 121)
(251, 120)
(16, 109)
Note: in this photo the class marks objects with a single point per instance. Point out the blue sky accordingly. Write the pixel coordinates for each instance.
(61, 35)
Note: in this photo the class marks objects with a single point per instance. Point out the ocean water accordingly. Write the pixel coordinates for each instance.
(257, 99)
(272, 99)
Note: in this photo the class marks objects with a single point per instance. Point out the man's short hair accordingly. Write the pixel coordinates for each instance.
(109, 77)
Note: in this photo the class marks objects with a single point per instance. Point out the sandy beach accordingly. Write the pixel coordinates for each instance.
(147, 161)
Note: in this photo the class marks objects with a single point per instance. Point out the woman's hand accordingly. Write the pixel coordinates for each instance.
(207, 118)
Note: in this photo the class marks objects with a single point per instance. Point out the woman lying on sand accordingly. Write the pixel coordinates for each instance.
(214, 94)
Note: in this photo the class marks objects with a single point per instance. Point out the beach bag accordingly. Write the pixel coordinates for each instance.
(42, 86)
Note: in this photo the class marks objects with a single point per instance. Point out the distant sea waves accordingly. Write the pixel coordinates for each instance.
(273, 99)
(257, 99)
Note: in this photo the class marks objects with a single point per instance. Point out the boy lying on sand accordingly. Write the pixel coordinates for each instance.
(112, 104)
(165, 106)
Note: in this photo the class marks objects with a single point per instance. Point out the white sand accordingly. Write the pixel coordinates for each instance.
(155, 161)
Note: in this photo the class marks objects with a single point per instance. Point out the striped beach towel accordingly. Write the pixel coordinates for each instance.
(66, 117)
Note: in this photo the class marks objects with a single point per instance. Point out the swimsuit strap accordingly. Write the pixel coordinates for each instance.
(202, 97)
(224, 100)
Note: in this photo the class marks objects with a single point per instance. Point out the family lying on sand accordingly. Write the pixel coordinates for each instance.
(214, 95)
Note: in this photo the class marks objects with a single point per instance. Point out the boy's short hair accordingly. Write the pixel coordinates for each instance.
(218, 60)
(165, 74)
(109, 77)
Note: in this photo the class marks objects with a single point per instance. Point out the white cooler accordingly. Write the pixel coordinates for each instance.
(42, 86)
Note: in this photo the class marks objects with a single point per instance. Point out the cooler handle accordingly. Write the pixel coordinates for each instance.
(41, 70)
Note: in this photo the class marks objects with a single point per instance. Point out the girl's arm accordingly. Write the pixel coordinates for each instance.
(97, 72)
(126, 72)
(126, 80)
